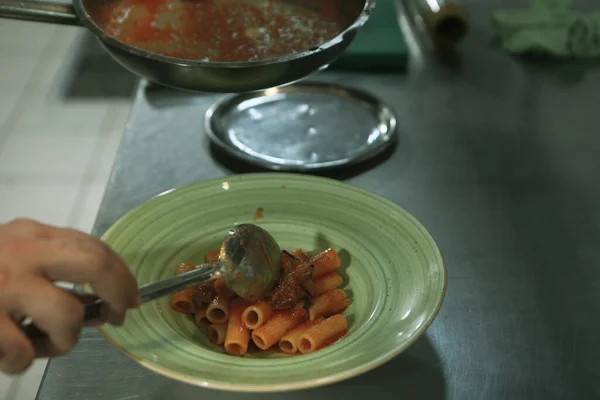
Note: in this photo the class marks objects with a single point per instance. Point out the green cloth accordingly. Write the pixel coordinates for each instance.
(549, 27)
(379, 45)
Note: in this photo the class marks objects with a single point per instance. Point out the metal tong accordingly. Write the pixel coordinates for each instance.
(93, 304)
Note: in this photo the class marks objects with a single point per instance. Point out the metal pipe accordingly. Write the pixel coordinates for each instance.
(47, 11)
(446, 22)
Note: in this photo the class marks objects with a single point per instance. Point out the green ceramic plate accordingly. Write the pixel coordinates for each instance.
(393, 270)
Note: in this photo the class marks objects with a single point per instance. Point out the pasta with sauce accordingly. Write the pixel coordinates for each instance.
(303, 314)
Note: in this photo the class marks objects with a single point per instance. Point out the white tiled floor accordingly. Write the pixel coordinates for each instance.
(55, 156)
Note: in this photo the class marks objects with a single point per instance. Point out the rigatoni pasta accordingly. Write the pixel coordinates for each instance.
(325, 283)
(277, 326)
(217, 333)
(238, 334)
(325, 262)
(322, 332)
(183, 301)
(200, 316)
(328, 304)
(223, 291)
(301, 315)
(289, 342)
(257, 314)
(217, 311)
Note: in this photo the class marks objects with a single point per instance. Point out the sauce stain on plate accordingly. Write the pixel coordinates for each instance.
(259, 213)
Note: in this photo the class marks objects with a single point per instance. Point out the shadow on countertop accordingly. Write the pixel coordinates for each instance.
(94, 74)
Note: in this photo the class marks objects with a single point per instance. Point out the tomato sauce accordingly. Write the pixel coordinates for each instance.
(220, 30)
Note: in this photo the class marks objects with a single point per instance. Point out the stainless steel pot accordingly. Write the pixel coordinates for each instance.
(217, 77)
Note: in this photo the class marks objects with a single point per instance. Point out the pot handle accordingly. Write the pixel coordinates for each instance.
(41, 11)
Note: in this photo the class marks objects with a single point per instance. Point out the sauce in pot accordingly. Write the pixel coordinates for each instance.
(219, 30)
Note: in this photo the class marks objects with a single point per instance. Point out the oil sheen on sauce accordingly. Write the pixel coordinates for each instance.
(219, 30)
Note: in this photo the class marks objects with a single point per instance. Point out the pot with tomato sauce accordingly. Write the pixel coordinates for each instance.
(223, 46)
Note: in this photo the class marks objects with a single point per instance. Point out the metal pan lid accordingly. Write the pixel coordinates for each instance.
(301, 127)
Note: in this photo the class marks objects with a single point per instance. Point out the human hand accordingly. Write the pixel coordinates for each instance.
(32, 257)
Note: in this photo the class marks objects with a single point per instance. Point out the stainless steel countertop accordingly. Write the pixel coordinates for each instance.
(499, 158)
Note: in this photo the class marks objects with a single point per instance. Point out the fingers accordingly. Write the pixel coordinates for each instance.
(61, 254)
(53, 310)
(106, 315)
(28, 227)
(32, 256)
(90, 262)
(24, 227)
(16, 351)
